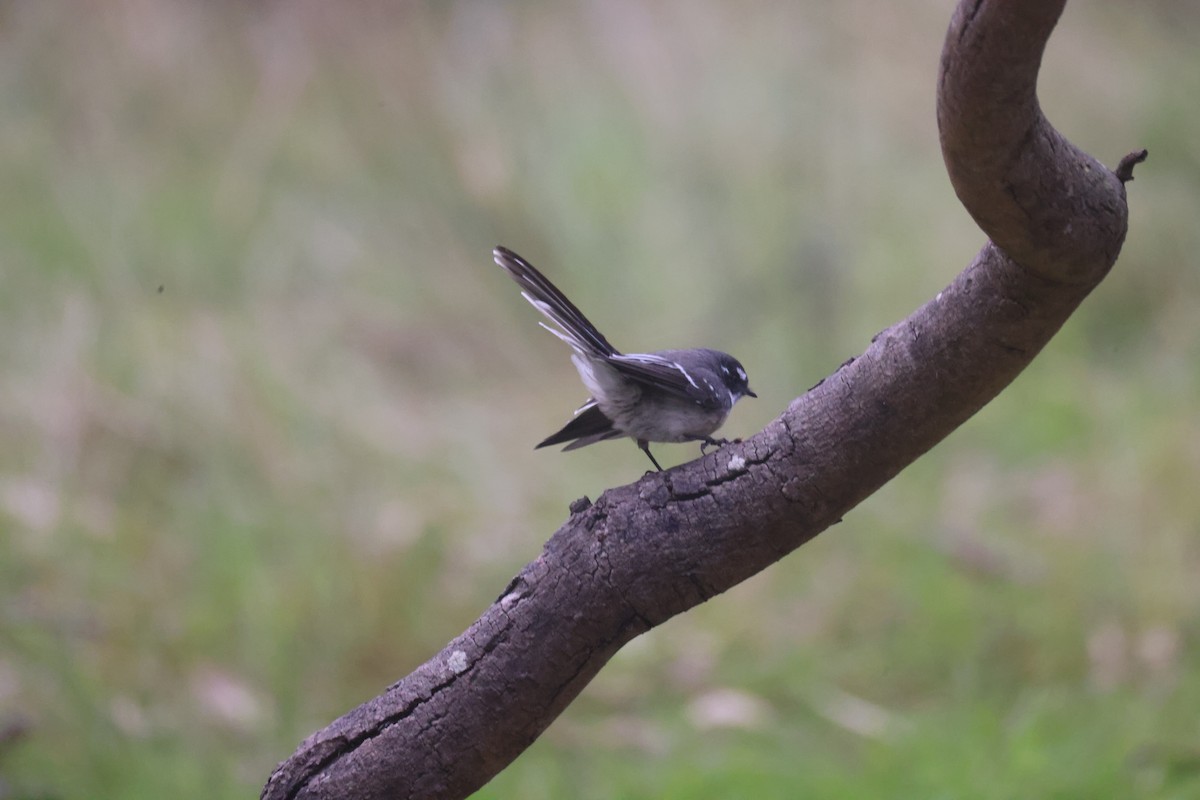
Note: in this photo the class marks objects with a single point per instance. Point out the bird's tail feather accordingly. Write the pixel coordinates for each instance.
(577, 330)
(589, 427)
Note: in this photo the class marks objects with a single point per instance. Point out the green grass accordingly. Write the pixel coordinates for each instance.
(267, 407)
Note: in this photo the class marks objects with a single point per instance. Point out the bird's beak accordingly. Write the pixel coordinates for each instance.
(750, 393)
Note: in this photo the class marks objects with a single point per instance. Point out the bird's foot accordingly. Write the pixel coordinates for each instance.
(708, 441)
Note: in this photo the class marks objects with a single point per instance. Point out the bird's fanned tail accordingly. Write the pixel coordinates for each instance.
(579, 332)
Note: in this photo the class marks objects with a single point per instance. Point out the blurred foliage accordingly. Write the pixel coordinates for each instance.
(267, 408)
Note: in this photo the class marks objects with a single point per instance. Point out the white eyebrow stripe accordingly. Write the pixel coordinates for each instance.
(741, 373)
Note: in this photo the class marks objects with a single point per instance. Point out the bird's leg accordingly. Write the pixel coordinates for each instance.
(645, 445)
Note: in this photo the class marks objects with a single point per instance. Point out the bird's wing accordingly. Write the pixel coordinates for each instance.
(665, 375)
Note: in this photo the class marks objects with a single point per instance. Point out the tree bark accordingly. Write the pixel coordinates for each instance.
(646, 552)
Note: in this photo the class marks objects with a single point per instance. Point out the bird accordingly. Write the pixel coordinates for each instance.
(663, 396)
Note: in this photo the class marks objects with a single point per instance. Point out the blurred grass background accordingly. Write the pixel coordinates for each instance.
(267, 407)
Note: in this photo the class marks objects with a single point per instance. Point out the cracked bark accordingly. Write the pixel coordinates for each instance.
(642, 553)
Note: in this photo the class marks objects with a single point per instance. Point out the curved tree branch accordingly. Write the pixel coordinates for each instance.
(645, 552)
(1048, 205)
